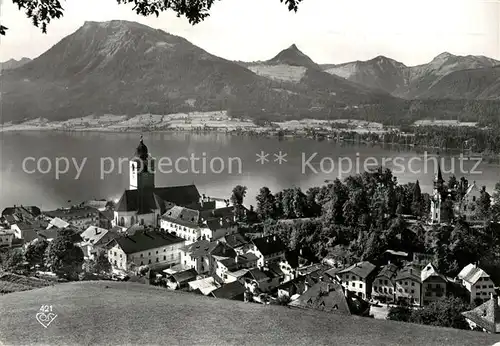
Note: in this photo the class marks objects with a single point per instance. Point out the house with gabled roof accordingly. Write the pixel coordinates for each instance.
(239, 242)
(408, 285)
(477, 282)
(268, 249)
(200, 255)
(384, 282)
(204, 286)
(234, 290)
(94, 239)
(181, 279)
(485, 317)
(434, 284)
(265, 280)
(358, 278)
(144, 247)
(327, 296)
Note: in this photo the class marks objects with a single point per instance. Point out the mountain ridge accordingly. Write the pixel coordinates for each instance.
(146, 70)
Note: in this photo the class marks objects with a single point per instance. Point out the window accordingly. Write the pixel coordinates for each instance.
(360, 285)
(353, 284)
(142, 221)
(473, 198)
(164, 258)
(385, 282)
(149, 262)
(413, 284)
(353, 277)
(149, 253)
(412, 291)
(142, 263)
(157, 252)
(157, 260)
(141, 255)
(114, 254)
(172, 256)
(406, 283)
(390, 290)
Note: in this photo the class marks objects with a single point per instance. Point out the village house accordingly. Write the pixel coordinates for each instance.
(200, 255)
(268, 249)
(434, 284)
(6, 238)
(28, 230)
(327, 296)
(106, 218)
(183, 222)
(408, 285)
(265, 280)
(181, 279)
(94, 239)
(224, 265)
(485, 317)
(144, 247)
(232, 276)
(238, 242)
(21, 213)
(293, 288)
(477, 282)
(57, 223)
(467, 206)
(358, 278)
(383, 283)
(204, 286)
(248, 260)
(234, 291)
(77, 216)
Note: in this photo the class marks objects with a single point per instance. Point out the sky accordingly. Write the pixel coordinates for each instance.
(328, 31)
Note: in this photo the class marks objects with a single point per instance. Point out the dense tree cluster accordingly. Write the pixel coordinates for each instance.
(443, 313)
(364, 215)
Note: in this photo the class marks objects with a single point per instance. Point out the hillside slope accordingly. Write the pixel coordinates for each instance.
(412, 82)
(126, 68)
(112, 313)
(13, 63)
(482, 83)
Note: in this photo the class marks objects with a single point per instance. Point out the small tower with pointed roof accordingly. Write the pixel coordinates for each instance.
(142, 168)
(437, 196)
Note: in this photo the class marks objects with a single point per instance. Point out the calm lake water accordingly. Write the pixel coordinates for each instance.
(229, 160)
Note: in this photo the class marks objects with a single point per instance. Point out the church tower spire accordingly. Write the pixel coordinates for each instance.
(142, 167)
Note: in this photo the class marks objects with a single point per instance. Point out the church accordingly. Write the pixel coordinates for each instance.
(463, 206)
(143, 202)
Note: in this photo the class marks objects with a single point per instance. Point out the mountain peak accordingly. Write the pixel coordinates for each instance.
(293, 56)
(444, 56)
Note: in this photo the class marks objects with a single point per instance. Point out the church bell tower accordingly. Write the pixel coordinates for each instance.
(142, 169)
(437, 197)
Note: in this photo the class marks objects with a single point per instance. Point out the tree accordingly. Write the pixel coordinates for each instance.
(63, 257)
(442, 313)
(265, 204)
(238, 195)
(400, 313)
(101, 264)
(483, 205)
(417, 207)
(41, 12)
(11, 259)
(35, 252)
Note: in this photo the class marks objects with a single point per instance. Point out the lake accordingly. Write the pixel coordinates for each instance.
(214, 162)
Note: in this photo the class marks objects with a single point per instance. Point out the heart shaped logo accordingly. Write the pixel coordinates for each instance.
(45, 319)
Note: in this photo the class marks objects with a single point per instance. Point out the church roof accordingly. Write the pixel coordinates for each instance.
(158, 198)
(144, 240)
